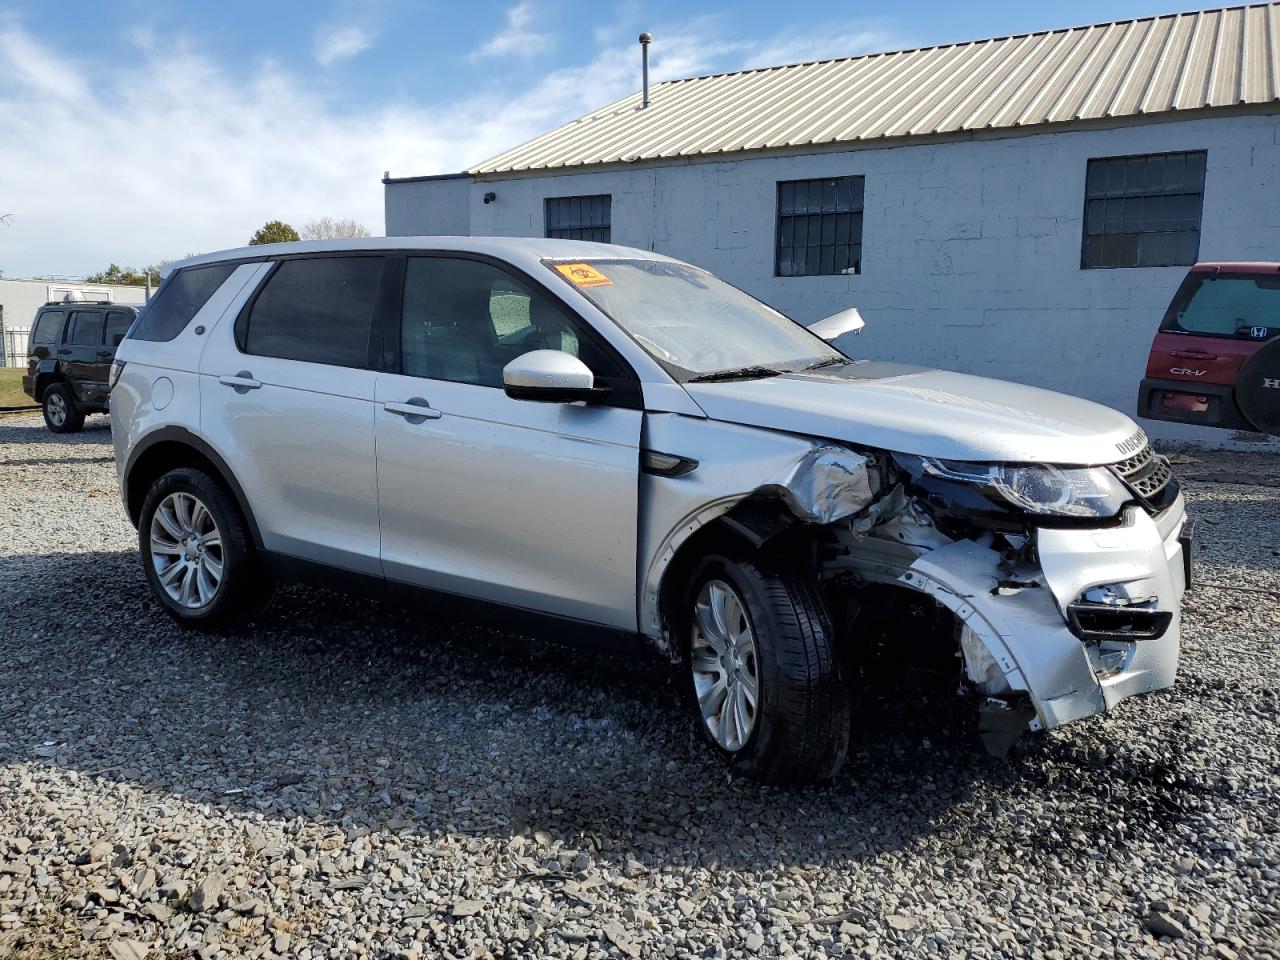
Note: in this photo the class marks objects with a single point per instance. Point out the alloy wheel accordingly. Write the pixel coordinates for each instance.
(57, 408)
(186, 550)
(725, 664)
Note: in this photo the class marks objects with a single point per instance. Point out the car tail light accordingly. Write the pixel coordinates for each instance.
(117, 368)
(1185, 402)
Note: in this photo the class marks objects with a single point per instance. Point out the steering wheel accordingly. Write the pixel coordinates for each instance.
(710, 353)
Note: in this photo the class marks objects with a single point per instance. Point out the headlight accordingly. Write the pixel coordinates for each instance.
(1041, 489)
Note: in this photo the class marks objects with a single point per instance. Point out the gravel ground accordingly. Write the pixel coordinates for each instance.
(349, 779)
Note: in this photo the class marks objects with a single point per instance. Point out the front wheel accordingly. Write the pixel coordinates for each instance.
(763, 673)
(196, 553)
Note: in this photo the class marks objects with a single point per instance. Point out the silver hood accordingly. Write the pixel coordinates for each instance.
(933, 413)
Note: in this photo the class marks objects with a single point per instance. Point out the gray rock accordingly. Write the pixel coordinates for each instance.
(1164, 925)
(127, 950)
(207, 895)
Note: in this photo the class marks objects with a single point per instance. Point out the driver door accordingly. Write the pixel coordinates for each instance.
(527, 504)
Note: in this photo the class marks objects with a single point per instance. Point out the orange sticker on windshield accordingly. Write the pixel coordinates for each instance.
(583, 275)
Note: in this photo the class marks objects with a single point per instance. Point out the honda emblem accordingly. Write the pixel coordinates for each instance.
(1259, 333)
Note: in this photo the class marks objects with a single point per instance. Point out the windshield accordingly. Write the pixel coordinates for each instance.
(696, 326)
(1242, 305)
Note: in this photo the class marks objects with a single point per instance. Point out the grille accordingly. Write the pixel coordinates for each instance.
(1144, 472)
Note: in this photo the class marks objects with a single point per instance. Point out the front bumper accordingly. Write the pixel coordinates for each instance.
(1016, 639)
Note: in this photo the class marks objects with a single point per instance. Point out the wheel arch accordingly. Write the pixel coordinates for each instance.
(168, 449)
(755, 526)
(46, 376)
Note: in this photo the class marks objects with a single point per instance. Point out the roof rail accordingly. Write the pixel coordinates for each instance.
(86, 303)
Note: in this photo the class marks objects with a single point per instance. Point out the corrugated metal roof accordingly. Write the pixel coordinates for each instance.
(1186, 61)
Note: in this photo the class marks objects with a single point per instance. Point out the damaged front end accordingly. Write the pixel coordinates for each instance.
(1063, 585)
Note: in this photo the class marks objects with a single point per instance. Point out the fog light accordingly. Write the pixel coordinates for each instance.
(1118, 611)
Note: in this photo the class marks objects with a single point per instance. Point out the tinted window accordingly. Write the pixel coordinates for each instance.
(48, 327)
(1143, 211)
(317, 310)
(580, 218)
(178, 300)
(819, 227)
(464, 321)
(86, 328)
(1245, 306)
(118, 323)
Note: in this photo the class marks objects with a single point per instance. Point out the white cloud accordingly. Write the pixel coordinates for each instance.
(516, 38)
(32, 66)
(191, 155)
(340, 43)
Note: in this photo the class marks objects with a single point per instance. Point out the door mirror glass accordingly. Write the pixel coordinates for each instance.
(838, 324)
(551, 376)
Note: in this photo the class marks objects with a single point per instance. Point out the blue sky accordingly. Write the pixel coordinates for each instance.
(139, 131)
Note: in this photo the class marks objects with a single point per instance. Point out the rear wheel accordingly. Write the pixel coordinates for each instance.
(196, 553)
(770, 696)
(61, 412)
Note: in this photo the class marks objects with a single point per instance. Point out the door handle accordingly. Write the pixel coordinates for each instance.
(1192, 355)
(63, 353)
(242, 382)
(104, 353)
(415, 409)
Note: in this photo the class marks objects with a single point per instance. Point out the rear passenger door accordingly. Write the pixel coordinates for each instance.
(80, 350)
(286, 397)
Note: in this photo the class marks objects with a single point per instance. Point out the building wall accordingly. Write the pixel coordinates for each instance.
(970, 249)
(431, 207)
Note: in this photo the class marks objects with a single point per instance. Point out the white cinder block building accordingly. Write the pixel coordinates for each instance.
(1022, 207)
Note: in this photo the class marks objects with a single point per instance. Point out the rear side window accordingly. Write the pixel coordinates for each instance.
(48, 327)
(180, 299)
(1240, 306)
(86, 328)
(118, 323)
(320, 311)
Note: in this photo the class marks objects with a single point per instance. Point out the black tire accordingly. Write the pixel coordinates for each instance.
(61, 412)
(246, 586)
(801, 724)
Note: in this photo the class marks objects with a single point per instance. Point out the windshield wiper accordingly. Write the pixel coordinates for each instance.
(736, 373)
(827, 362)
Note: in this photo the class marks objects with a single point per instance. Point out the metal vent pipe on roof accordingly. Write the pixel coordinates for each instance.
(645, 40)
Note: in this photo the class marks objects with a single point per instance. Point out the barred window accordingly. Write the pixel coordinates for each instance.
(579, 218)
(819, 227)
(1143, 211)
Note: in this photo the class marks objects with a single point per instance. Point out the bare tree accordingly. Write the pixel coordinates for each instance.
(327, 228)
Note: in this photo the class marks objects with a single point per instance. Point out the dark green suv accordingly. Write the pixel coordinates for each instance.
(69, 358)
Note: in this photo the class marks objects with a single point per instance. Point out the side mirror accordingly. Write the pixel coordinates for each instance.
(551, 376)
(838, 324)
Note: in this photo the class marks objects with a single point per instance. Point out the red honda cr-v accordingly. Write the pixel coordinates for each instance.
(1216, 358)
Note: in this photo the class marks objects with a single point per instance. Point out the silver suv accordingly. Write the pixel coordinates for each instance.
(590, 436)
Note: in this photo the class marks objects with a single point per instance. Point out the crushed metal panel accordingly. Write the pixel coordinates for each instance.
(818, 481)
(828, 484)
